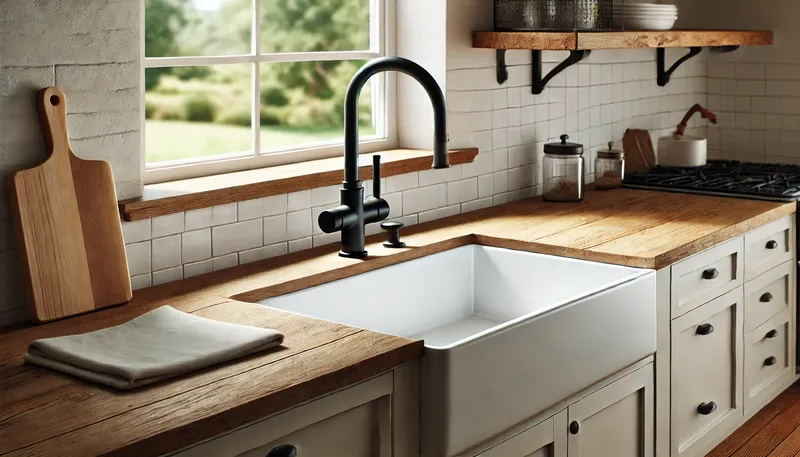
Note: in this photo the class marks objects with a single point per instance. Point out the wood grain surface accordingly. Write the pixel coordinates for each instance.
(205, 192)
(42, 411)
(640, 156)
(559, 41)
(68, 230)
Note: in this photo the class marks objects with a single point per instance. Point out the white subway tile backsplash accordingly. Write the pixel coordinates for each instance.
(301, 245)
(133, 232)
(439, 213)
(275, 229)
(325, 195)
(199, 218)
(225, 261)
(395, 202)
(433, 176)
(168, 225)
(240, 236)
(299, 200)
(298, 225)
(402, 182)
(141, 281)
(462, 191)
(477, 204)
(198, 268)
(168, 275)
(166, 252)
(266, 252)
(424, 198)
(486, 185)
(326, 238)
(138, 258)
(196, 245)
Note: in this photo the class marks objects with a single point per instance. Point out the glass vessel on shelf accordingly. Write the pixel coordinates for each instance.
(563, 171)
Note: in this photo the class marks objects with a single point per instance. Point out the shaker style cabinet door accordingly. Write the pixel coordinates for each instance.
(545, 439)
(707, 374)
(616, 421)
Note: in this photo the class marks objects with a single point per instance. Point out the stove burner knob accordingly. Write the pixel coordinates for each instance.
(772, 244)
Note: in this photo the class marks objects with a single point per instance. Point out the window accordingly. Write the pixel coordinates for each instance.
(239, 84)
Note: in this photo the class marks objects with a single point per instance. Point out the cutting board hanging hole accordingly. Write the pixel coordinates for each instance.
(54, 100)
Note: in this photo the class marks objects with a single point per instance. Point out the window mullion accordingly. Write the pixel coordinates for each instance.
(256, 50)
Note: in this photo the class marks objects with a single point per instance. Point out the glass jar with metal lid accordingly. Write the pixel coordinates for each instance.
(563, 171)
(609, 168)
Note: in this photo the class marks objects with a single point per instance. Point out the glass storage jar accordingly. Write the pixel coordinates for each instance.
(609, 168)
(563, 171)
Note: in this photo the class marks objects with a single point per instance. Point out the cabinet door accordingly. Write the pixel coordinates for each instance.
(615, 421)
(707, 372)
(545, 439)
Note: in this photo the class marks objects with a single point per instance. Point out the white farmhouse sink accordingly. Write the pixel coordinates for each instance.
(507, 333)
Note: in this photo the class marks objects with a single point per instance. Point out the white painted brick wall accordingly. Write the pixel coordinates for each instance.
(90, 48)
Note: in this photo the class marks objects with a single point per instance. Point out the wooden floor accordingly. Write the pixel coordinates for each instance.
(773, 432)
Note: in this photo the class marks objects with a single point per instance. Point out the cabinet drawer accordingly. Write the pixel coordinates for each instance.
(707, 364)
(767, 295)
(705, 276)
(355, 422)
(768, 359)
(768, 246)
(545, 439)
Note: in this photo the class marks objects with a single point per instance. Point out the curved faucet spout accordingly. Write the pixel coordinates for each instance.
(440, 159)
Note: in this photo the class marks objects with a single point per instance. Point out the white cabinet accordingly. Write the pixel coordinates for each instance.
(545, 439)
(707, 364)
(615, 421)
(768, 360)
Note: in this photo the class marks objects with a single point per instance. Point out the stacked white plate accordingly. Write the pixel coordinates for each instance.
(649, 16)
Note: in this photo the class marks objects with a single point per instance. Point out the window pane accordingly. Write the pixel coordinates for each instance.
(314, 25)
(194, 112)
(303, 102)
(175, 28)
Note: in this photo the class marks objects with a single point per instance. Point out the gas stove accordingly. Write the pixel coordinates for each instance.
(761, 181)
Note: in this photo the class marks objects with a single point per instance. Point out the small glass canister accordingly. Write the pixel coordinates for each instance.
(563, 171)
(609, 168)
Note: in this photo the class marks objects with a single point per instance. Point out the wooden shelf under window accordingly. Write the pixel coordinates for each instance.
(627, 39)
(197, 193)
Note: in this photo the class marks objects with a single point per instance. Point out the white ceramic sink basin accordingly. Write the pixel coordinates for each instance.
(507, 333)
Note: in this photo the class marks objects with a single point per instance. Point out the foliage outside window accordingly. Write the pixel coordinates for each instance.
(253, 79)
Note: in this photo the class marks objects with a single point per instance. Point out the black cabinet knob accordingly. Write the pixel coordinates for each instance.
(393, 229)
(771, 334)
(772, 244)
(704, 329)
(770, 361)
(711, 273)
(707, 408)
(284, 450)
(574, 427)
(766, 298)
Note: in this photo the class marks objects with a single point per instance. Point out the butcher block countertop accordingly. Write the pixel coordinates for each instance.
(45, 413)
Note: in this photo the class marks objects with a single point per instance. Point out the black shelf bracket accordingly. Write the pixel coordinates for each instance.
(665, 75)
(724, 49)
(538, 84)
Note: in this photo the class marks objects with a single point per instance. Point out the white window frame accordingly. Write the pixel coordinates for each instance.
(382, 43)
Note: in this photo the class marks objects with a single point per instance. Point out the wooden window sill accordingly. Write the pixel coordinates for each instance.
(198, 193)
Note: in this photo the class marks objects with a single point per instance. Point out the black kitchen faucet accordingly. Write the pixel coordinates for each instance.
(355, 212)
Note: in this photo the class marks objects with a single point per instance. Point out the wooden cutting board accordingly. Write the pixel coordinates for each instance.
(68, 229)
(639, 154)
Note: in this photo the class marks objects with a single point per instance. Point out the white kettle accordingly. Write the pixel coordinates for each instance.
(680, 150)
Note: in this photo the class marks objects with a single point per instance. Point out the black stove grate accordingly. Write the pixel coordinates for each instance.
(755, 180)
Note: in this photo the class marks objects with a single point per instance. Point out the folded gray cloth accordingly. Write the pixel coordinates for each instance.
(155, 346)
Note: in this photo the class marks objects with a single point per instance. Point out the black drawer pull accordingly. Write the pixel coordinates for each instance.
(284, 450)
(574, 427)
(707, 408)
(772, 244)
(711, 273)
(704, 329)
(770, 361)
(766, 298)
(771, 334)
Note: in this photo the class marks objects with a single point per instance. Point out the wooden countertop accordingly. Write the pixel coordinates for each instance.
(44, 413)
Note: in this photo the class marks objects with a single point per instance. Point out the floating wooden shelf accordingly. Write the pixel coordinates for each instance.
(580, 44)
(628, 39)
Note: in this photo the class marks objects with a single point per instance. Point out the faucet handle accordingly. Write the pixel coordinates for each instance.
(376, 176)
(393, 229)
